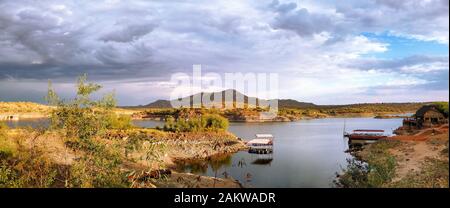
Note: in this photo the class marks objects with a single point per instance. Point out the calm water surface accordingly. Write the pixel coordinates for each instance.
(33, 123)
(307, 153)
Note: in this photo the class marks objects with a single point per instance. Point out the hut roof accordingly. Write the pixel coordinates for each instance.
(421, 112)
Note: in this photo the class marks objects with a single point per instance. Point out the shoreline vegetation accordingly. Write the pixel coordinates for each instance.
(416, 159)
(29, 110)
(88, 145)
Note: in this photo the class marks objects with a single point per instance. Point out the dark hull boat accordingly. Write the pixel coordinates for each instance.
(364, 136)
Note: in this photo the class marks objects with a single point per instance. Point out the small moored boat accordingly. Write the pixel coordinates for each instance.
(366, 134)
(262, 144)
(361, 137)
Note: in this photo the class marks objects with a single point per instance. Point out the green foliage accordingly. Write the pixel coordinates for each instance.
(355, 175)
(6, 148)
(207, 122)
(215, 122)
(122, 122)
(359, 174)
(442, 107)
(83, 117)
(382, 170)
(377, 171)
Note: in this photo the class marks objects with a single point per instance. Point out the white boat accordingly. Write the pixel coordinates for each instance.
(262, 144)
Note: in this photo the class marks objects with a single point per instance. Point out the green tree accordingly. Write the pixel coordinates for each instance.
(442, 107)
(84, 121)
(82, 117)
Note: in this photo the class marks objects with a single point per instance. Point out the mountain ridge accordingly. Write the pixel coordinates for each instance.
(282, 103)
(286, 103)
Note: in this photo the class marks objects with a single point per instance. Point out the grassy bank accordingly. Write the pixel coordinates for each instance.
(30, 110)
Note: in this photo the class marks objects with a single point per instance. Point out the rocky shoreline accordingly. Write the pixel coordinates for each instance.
(142, 152)
(183, 147)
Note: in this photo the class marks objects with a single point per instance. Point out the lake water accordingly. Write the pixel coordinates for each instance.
(33, 123)
(307, 153)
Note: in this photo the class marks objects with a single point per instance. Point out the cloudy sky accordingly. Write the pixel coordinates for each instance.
(328, 53)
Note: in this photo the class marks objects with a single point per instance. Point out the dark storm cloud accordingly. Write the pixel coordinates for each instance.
(111, 39)
(43, 41)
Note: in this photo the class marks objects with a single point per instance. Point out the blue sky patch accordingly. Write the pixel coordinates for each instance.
(401, 47)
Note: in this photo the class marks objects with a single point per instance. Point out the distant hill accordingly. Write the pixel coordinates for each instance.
(284, 103)
(159, 104)
(290, 103)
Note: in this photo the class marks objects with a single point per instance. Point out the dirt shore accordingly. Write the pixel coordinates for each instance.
(431, 143)
(421, 158)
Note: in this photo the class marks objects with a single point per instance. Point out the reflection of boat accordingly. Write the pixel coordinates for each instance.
(262, 144)
(262, 161)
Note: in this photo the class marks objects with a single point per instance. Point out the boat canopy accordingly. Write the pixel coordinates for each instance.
(264, 136)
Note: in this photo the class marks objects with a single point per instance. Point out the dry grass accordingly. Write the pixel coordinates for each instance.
(36, 110)
(24, 107)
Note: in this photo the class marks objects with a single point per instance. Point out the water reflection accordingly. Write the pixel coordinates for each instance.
(217, 162)
(200, 166)
(262, 161)
(25, 123)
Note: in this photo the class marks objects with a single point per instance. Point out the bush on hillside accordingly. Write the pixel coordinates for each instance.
(203, 123)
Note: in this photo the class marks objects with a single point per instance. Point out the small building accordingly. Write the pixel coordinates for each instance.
(427, 116)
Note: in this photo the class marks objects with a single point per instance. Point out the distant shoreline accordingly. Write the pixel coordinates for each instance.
(379, 115)
(27, 110)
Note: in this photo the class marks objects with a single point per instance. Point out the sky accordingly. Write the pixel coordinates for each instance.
(326, 52)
